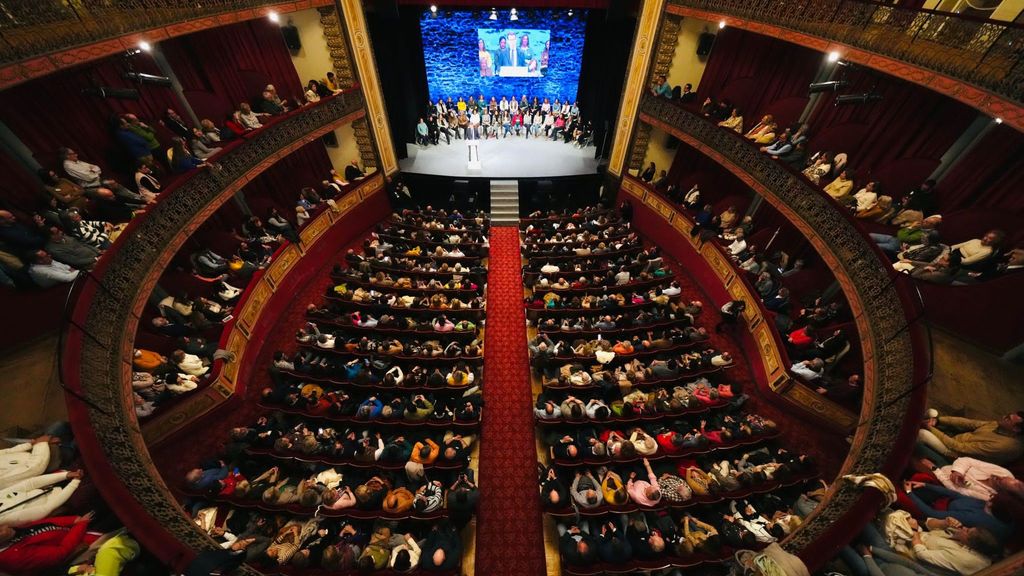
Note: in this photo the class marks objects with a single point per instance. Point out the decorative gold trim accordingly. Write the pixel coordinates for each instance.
(366, 68)
(636, 82)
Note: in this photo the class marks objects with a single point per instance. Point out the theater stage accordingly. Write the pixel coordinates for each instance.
(510, 157)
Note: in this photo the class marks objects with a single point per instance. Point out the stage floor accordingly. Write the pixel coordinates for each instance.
(510, 157)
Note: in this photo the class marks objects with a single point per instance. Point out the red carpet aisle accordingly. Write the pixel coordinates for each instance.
(509, 540)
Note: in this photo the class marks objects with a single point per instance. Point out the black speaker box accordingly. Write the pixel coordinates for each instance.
(704, 43)
(291, 37)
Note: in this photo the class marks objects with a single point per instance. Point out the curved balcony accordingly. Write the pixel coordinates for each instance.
(42, 36)
(893, 343)
(98, 339)
(973, 60)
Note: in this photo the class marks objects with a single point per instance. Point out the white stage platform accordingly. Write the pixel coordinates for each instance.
(510, 157)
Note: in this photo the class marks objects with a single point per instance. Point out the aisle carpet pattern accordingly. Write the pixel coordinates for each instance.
(509, 539)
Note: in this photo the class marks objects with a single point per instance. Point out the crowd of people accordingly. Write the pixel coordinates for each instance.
(360, 457)
(480, 119)
(50, 518)
(913, 240)
(651, 457)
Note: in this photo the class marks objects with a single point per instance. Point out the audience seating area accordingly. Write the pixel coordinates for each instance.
(359, 455)
(656, 457)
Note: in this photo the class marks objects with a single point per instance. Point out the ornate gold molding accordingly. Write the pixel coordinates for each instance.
(641, 139)
(667, 42)
(334, 34)
(369, 80)
(636, 82)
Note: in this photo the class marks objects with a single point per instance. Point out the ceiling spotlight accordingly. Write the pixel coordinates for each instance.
(433, 8)
(513, 15)
(274, 17)
(999, 120)
(721, 24)
(494, 14)
(858, 98)
(833, 56)
(830, 86)
(144, 46)
(570, 12)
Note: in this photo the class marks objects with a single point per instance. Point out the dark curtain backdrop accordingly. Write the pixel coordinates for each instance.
(990, 175)
(21, 193)
(609, 37)
(898, 140)
(52, 112)
(718, 186)
(759, 75)
(222, 67)
(398, 48)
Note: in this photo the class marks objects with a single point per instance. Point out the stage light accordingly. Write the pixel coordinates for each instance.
(111, 92)
(433, 8)
(274, 17)
(858, 98)
(142, 78)
(144, 46)
(833, 56)
(513, 15)
(830, 86)
(721, 24)
(999, 120)
(570, 12)
(494, 14)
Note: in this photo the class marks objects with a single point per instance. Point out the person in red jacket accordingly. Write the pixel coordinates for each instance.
(43, 544)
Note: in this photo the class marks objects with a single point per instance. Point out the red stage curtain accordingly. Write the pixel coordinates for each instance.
(52, 112)
(22, 193)
(759, 75)
(718, 186)
(222, 67)
(990, 175)
(898, 140)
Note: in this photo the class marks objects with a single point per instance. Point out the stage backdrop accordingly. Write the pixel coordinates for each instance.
(467, 54)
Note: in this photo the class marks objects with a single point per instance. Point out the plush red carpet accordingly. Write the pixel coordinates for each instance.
(509, 539)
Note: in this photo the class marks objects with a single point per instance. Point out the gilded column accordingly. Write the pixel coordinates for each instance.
(636, 82)
(668, 39)
(366, 72)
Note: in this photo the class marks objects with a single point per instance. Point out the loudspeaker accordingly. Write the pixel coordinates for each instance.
(704, 43)
(291, 37)
(671, 142)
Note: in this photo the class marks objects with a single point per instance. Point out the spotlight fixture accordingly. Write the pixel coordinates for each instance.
(433, 8)
(570, 12)
(494, 14)
(833, 56)
(144, 46)
(112, 92)
(830, 86)
(513, 15)
(143, 78)
(858, 98)
(999, 120)
(721, 24)
(274, 17)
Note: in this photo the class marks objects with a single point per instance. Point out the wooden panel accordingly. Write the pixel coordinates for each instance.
(252, 307)
(285, 261)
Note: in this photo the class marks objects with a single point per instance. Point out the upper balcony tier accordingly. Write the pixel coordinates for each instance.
(972, 60)
(38, 37)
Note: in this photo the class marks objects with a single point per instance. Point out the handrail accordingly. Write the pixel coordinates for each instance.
(32, 29)
(881, 300)
(983, 53)
(100, 335)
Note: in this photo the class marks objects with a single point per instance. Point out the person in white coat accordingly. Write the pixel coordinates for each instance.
(36, 498)
(25, 460)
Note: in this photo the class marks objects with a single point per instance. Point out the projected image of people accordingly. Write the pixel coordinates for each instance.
(511, 53)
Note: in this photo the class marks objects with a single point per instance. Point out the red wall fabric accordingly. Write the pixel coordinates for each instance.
(279, 185)
(990, 175)
(52, 112)
(222, 67)
(898, 140)
(759, 75)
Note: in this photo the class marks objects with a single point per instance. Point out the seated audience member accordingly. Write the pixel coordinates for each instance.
(924, 254)
(353, 173)
(779, 148)
(975, 253)
(909, 235)
(202, 146)
(43, 545)
(37, 497)
(47, 272)
(865, 199)
(809, 370)
(734, 122)
(249, 119)
(917, 205)
(839, 189)
(182, 159)
(66, 192)
(946, 438)
(661, 87)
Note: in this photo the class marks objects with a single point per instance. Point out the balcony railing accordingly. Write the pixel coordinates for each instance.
(96, 360)
(30, 28)
(984, 53)
(882, 301)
